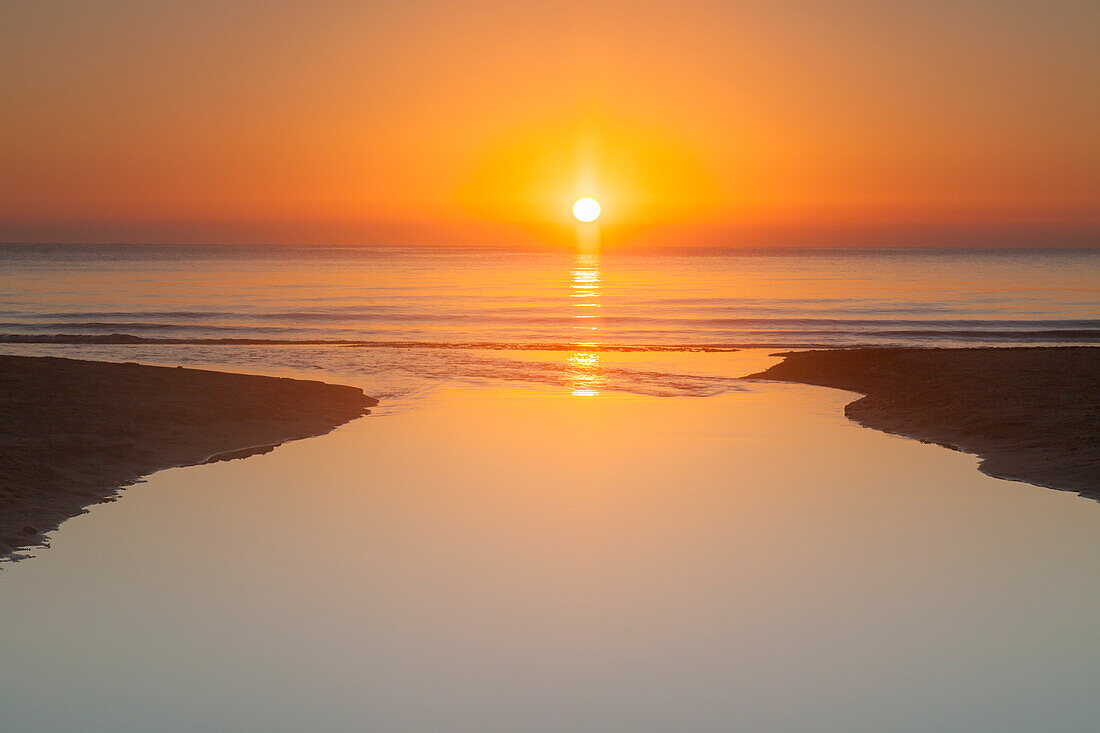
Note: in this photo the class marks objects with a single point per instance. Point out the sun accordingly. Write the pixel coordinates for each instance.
(586, 209)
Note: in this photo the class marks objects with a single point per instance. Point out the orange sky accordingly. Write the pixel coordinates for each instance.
(812, 122)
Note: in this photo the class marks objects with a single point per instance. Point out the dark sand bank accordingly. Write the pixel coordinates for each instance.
(72, 431)
(1031, 414)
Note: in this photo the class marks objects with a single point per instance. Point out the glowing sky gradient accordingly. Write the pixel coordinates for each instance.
(800, 122)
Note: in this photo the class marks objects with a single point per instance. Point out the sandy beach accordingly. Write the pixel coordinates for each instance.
(1031, 414)
(72, 432)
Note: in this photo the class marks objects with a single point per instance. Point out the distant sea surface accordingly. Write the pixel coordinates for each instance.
(173, 303)
(457, 297)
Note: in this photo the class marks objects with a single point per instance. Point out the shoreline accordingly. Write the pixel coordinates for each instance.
(73, 432)
(1030, 414)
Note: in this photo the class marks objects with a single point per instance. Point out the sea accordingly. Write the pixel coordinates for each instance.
(545, 316)
(568, 512)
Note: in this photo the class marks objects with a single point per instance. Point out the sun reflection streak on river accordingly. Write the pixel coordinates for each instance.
(585, 375)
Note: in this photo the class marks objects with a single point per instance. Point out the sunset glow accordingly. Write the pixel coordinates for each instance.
(741, 123)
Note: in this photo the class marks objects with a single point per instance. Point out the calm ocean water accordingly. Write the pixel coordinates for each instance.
(473, 307)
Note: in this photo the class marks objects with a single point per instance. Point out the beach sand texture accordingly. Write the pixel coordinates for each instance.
(72, 432)
(1031, 414)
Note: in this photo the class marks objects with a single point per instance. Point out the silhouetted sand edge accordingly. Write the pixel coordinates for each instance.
(1031, 414)
(73, 432)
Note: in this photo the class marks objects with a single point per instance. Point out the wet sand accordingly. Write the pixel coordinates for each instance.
(1030, 414)
(72, 432)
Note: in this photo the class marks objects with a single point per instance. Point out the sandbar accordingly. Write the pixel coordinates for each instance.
(73, 432)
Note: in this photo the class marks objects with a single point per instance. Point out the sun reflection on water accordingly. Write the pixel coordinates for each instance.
(585, 375)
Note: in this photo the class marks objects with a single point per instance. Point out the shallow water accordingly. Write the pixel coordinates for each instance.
(567, 513)
(496, 556)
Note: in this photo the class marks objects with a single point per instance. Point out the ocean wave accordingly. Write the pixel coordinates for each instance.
(354, 315)
(758, 339)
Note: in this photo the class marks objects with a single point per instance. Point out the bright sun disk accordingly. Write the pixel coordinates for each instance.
(586, 209)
